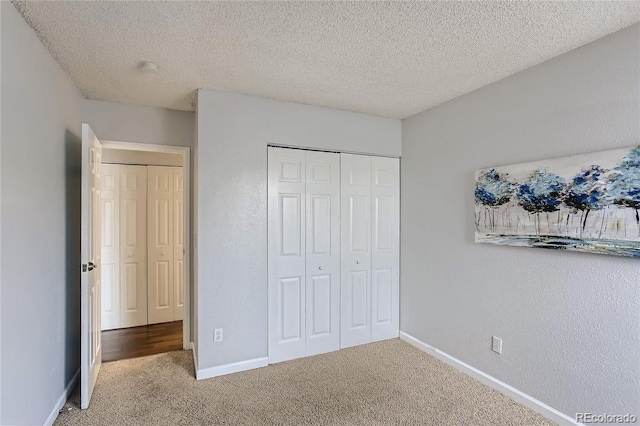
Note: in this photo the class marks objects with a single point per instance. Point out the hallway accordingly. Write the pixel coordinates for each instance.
(145, 340)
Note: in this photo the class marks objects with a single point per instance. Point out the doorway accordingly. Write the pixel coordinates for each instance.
(145, 289)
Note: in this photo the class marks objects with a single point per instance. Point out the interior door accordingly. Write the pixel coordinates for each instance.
(322, 252)
(90, 293)
(110, 267)
(133, 245)
(385, 258)
(178, 252)
(356, 249)
(286, 254)
(160, 238)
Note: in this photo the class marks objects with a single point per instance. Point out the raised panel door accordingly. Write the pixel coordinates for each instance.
(161, 244)
(91, 258)
(385, 259)
(178, 244)
(355, 250)
(286, 254)
(322, 232)
(133, 245)
(110, 268)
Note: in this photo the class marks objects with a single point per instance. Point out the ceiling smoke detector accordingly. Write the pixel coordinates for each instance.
(148, 67)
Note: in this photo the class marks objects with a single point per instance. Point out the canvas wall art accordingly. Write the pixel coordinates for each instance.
(586, 203)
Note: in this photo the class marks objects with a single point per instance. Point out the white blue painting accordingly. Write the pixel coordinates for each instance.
(587, 203)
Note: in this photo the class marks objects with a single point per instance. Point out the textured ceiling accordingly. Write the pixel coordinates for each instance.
(384, 58)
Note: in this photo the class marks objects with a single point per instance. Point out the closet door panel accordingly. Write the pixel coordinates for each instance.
(355, 250)
(110, 267)
(322, 252)
(286, 254)
(133, 245)
(178, 253)
(385, 191)
(161, 244)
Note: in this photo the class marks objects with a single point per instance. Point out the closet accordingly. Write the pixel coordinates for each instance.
(142, 245)
(333, 258)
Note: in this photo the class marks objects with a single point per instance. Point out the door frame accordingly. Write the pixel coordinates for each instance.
(186, 156)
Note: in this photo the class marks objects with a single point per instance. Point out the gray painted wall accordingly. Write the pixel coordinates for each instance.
(125, 156)
(570, 322)
(140, 124)
(233, 133)
(41, 116)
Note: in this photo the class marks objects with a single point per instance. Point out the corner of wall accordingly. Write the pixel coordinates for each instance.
(194, 224)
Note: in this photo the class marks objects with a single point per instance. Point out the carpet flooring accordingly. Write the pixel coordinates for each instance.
(383, 383)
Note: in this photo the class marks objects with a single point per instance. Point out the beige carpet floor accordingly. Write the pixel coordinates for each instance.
(382, 383)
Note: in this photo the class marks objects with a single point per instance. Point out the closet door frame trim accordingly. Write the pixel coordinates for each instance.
(187, 214)
(305, 148)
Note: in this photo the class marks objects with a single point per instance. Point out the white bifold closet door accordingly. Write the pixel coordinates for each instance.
(110, 267)
(124, 246)
(322, 252)
(356, 249)
(304, 253)
(133, 246)
(178, 244)
(161, 238)
(370, 249)
(142, 277)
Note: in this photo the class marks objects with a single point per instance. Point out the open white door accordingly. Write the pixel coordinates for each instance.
(90, 293)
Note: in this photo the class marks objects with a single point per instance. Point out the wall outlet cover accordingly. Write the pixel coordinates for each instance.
(496, 344)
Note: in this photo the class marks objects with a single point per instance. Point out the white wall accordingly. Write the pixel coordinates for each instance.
(570, 322)
(41, 116)
(233, 132)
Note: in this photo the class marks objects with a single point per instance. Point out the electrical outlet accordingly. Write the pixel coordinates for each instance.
(217, 335)
(496, 345)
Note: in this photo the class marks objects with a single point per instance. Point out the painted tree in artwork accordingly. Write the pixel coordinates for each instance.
(493, 190)
(624, 183)
(541, 192)
(587, 191)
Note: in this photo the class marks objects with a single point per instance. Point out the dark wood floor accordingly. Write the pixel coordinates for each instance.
(140, 341)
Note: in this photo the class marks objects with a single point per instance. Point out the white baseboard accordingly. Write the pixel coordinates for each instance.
(221, 370)
(521, 397)
(62, 400)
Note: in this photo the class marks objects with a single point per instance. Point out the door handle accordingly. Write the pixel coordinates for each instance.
(320, 268)
(91, 266)
(357, 262)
